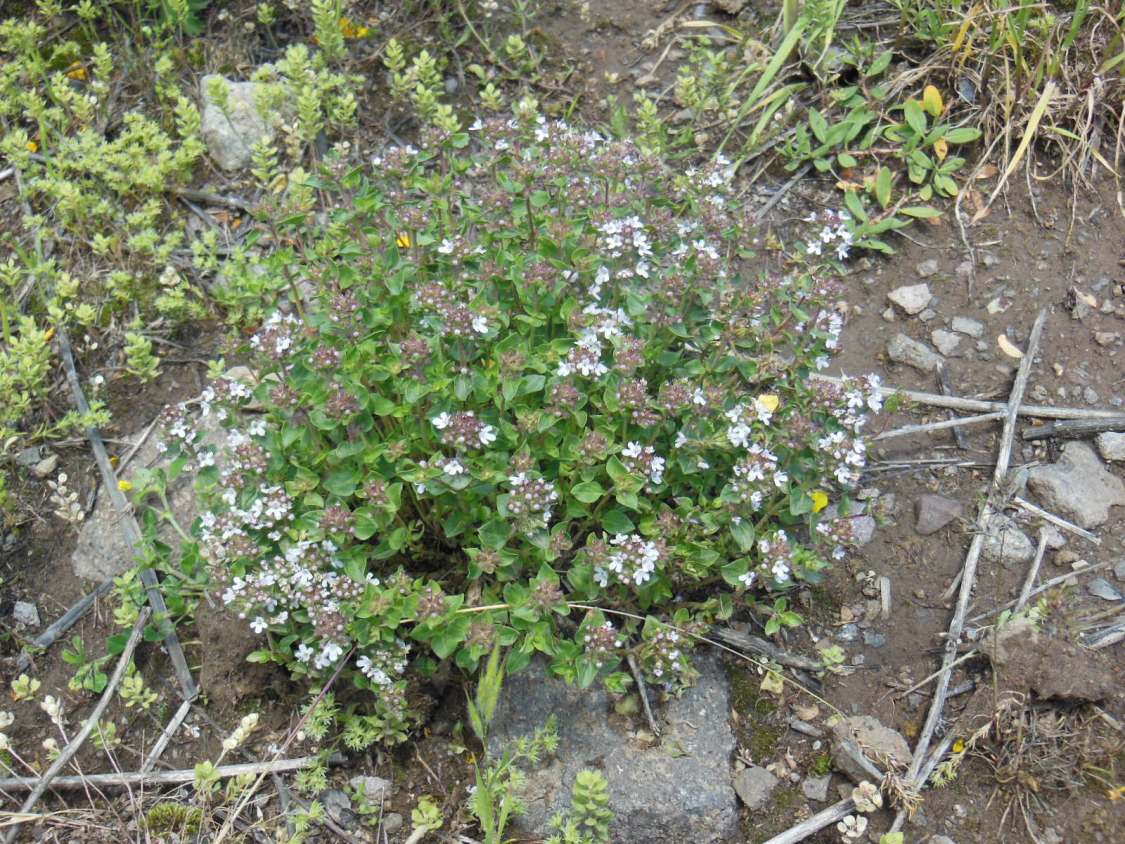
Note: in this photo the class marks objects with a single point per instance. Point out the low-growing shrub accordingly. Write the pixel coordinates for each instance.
(523, 374)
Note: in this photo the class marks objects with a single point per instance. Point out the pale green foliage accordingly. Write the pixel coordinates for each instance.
(589, 817)
(139, 358)
(496, 798)
(312, 780)
(326, 16)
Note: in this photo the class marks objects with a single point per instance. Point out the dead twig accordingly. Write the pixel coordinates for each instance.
(51, 635)
(213, 199)
(780, 192)
(1050, 584)
(1033, 572)
(75, 743)
(166, 736)
(987, 511)
(643, 692)
(155, 779)
(956, 424)
(1074, 428)
(1058, 521)
(980, 405)
(128, 522)
(947, 390)
(826, 817)
(755, 644)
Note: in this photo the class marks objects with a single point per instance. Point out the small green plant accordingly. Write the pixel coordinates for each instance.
(782, 616)
(496, 797)
(425, 817)
(134, 692)
(88, 673)
(589, 815)
(24, 688)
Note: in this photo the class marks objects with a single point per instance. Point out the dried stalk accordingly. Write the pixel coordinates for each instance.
(1074, 428)
(826, 817)
(1033, 572)
(1035, 510)
(161, 778)
(1050, 584)
(128, 522)
(981, 406)
(75, 743)
(643, 692)
(49, 636)
(166, 736)
(906, 430)
(987, 512)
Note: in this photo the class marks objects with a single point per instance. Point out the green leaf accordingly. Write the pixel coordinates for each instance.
(494, 534)
(883, 186)
(882, 61)
(743, 533)
(818, 125)
(915, 117)
(921, 212)
(587, 492)
(963, 135)
(615, 521)
(341, 482)
(846, 160)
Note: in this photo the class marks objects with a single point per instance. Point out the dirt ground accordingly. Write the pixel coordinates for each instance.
(1031, 251)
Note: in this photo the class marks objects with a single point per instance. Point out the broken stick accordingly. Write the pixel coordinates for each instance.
(987, 511)
(129, 524)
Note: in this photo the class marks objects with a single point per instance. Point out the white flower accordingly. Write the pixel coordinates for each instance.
(487, 435)
(441, 421)
(446, 246)
(258, 428)
(453, 468)
(53, 707)
(258, 625)
(304, 653)
(480, 324)
(739, 435)
(681, 440)
(748, 578)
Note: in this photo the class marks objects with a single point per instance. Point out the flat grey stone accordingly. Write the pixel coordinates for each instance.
(933, 512)
(392, 822)
(927, 268)
(848, 633)
(816, 788)
(376, 790)
(1078, 486)
(1119, 569)
(971, 327)
(680, 790)
(231, 134)
(1101, 588)
(25, 613)
(946, 342)
(885, 747)
(912, 298)
(102, 551)
(906, 350)
(46, 467)
(1111, 445)
(873, 639)
(755, 787)
(29, 456)
(863, 529)
(1004, 542)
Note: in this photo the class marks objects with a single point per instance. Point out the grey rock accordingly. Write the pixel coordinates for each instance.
(889, 314)
(944, 341)
(102, 551)
(912, 298)
(1004, 542)
(754, 787)
(878, 742)
(1101, 588)
(928, 315)
(339, 807)
(1078, 487)
(25, 613)
(1090, 396)
(863, 529)
(942, 839)
(964, 325)
(29, 456)
(927, 268)
(46, 467)
(731, 7)
(1119, 569)
(392, 822)
(905, 350)
(873, 639)
(376, 790)
(848, 633)
(933, 512)
(1056, 539)
(680, 790)
(816, 788)
(231, 134)
(1111, 445)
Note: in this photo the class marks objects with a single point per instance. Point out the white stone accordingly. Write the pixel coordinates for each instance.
(903, 349)
(945, 342)
(964, 325)
(230, 134)
(1112, 446)
(912, 298)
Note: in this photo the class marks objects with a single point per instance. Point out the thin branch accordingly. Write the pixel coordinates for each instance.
(1050, 584)
(1058, 521)
(947, 390)
(780, 192)
(166, 736)
(981, 406)
(987, 511)
(51, 635)
(1074, 428)
(1033, 571)
(826, 817)
(73, 746)
(128, 522)
(161, 778)
(643, 692)
(906, 430)
(213, 199)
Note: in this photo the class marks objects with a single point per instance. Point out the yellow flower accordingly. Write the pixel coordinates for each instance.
(32, 146)
(76, 71)
(958, 746)
(819, 500)
(350, 31)
(124, 485)
(403, 241)
(769, 401)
